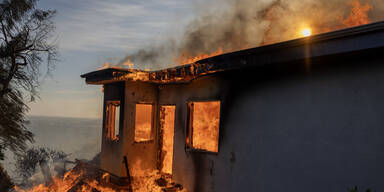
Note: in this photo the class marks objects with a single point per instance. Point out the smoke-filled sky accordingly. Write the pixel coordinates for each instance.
(157, 34)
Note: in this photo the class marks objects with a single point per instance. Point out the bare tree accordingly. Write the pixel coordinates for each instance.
(26, 42)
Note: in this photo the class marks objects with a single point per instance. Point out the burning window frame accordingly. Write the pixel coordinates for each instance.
(152, 135)
(110, 120)
(189, 127)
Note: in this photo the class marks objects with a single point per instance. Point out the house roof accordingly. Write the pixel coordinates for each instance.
(359, 38)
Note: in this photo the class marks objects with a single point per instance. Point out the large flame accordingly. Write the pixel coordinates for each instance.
(108, 65)
(358, 15)
(87, 178)
(206, 118)
(72, 181)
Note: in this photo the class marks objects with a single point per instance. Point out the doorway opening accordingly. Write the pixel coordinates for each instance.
(167, 128)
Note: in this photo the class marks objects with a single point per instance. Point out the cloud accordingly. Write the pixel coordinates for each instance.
(115, 25)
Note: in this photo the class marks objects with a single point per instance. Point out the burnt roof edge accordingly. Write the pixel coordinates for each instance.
(335, 42)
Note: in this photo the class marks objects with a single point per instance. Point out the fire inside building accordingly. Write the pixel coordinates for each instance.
(301, 115)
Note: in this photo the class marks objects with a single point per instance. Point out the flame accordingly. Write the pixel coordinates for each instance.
(105, 66)
(358, 15)
(71, 181)
(186, 58)
(105, 176)
(86, 178)
(108, 65)
(134, 75)
(167, 121)
(206, 118)
(128, 63)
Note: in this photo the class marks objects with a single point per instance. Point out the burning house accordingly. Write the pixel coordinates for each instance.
(301, 115)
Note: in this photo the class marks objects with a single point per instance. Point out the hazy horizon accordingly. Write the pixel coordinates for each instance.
(80, 137)
(69, 117)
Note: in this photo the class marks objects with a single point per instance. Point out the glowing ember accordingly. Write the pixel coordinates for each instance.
(306, 32)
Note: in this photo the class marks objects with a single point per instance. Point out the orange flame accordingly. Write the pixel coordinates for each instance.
(205, 123)
(128, 63)
(84, 180)
(186, 58)
(70, 182)
(358, 15)
(105, 66)
(108, 65)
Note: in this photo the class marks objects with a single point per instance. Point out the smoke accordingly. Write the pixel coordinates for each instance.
(239, 24)
(46, 172)
(155, 57)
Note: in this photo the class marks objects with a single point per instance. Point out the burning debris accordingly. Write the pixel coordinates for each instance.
(155, 182)
(82, 178)
(85, 177)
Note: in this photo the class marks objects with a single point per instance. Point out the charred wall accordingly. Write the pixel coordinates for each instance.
(312, 125)
(142, 156)
(111, 150)
(190, 168)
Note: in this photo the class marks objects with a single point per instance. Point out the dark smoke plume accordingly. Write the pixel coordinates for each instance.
(240, 24)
